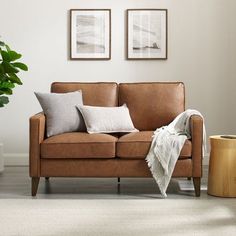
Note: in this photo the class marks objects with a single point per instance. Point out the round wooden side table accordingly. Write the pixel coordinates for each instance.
(222, 167)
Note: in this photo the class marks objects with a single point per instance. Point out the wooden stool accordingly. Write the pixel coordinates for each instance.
(222, 167)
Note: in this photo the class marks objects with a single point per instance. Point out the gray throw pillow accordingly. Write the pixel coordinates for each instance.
(61, 112)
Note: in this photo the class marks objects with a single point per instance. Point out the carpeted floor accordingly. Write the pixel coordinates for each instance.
(109, 217)
(80, 206)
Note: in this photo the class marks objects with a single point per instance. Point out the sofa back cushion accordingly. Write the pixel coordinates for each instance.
(94, 94)
(152, 105)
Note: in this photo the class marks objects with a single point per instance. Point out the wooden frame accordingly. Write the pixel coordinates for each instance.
(95, 45)
(151, 43)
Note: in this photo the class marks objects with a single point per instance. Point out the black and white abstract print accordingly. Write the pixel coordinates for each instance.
(147, 33)
(90, 37)
(91, 34)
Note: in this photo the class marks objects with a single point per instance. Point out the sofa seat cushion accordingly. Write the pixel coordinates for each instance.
(79, 145)
(137, 145)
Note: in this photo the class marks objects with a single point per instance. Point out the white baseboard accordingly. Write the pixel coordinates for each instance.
(16, 159)
(22, 159)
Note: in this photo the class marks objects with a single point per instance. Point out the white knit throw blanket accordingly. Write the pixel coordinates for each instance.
(166, 146)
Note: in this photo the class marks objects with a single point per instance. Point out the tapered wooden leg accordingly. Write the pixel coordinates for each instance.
(197, 186)
(118, 184)
(47, 178)
(189, 178)
(34, 186)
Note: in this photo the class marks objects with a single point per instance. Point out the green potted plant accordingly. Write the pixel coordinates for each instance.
(9, 68)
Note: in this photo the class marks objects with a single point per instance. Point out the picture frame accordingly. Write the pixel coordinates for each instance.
(90, 34)
(147, 34)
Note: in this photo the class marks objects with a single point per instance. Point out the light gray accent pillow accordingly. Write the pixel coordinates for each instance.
(61, 112)
(107, 119)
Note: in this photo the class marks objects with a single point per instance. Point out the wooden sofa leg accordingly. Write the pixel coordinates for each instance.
(197, 186)
(189, 178)
(118, 185)
(34, 186)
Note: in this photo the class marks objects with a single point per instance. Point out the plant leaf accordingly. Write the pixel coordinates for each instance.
(1, 69)
(3, 78)
(5, 56)
(8, 68)
(14, 55)
(6, 91)
(3, 101)
(20, 65)
(15, 79)
(7, 85)
(2, 43)
(7, 47)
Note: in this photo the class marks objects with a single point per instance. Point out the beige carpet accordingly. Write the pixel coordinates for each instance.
(58, 217)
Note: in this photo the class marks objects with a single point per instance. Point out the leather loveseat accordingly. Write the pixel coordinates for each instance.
(78, 154)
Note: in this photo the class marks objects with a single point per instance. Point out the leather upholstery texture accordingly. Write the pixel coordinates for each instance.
(137, 145)
(94, 94)
(106, 168)
(37, 135)
(79, 145)
(196, 124)
(152, 105)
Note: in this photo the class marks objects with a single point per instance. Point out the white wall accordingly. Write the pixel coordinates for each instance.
(202, 54)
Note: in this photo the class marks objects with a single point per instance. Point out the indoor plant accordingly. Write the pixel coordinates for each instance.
(9, 67)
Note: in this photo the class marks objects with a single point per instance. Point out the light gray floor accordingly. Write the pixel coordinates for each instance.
(80, 206)
(16, 184)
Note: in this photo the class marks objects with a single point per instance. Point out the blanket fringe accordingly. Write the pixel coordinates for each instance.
(152, 164)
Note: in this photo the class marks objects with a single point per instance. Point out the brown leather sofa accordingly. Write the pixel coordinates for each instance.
(78, 154)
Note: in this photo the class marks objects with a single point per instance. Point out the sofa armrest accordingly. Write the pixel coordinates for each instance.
(37, 134)
(196, 126)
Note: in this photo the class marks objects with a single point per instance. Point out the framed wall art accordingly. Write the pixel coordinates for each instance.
(90, 34)
(146, 34)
